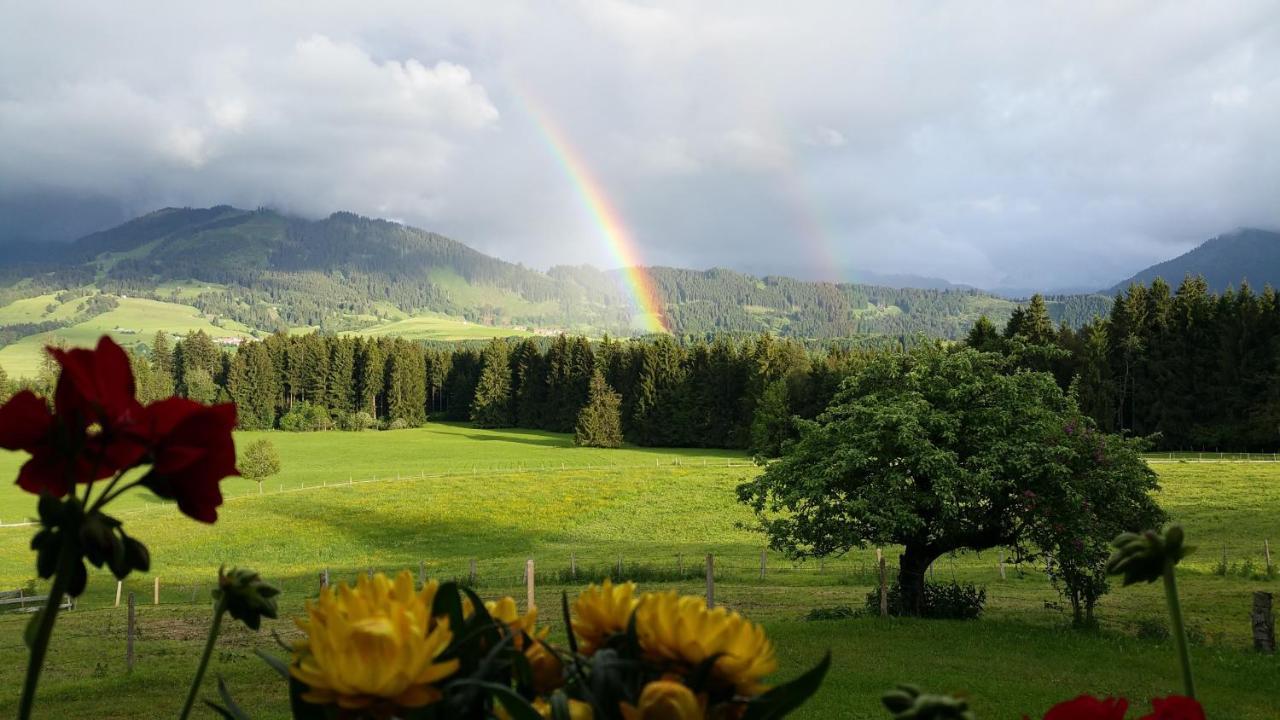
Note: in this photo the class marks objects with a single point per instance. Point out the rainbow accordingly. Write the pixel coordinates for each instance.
(639, 284)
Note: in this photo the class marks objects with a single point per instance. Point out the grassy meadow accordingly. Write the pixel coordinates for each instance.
(449, 494)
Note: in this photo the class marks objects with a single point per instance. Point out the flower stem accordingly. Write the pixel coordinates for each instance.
(67, 558)
(218, 611)
(1179, 631)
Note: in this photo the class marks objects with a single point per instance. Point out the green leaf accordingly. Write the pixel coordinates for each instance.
(280, 666)
(568, 622)
(517, 707)
(783, 699)
(229, 709)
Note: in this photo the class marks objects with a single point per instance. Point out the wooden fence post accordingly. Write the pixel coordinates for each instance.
(711, 580)
(528, 573)
(128, 647)
(1264, 623)
(619, 567)
(1266, 549)
(156, 595)
(763, 558)
(884, 586)
(1002, 566)
(573, 566)
(119, 587)
(471, 573)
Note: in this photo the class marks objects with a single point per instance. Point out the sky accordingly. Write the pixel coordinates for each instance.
(1046, 145)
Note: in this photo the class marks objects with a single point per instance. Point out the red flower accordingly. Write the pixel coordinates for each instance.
(1089, 708)
(90, 434)
(192, 451)
(26, 424)
(95, 386)
(1175, 707)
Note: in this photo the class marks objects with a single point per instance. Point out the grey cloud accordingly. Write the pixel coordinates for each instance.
(1037, 144)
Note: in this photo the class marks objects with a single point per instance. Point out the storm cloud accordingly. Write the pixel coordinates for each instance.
(1003, 143)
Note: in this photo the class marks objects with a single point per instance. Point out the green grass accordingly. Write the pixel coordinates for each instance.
(500, 497)
(143, 317)
(434, 326)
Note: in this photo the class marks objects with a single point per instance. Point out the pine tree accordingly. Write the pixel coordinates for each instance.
(369, 380)
(491, 407)
(406, 384)
(162, 361)
(983, 336)
(340, 383)
(251, 384)
(772, 426)
(600, 420)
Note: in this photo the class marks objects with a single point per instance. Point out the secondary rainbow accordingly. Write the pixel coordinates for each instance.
(637, 280)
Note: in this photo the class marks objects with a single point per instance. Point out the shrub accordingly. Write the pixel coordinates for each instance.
(1151, 629)
(949, 601)
(839, 612)
(356, 421)
(399, 424)
(305, 417)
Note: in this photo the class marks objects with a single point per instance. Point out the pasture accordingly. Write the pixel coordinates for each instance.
(447, 495)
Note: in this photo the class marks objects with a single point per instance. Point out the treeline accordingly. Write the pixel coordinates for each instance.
(1197, 370)
(719, 393)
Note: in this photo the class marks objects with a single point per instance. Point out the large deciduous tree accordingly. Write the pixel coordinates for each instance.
(936, 450)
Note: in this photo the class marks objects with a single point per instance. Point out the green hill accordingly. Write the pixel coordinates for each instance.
(1246, 255)
(232, 271)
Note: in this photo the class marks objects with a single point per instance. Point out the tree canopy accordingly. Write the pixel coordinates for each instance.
(936, 450)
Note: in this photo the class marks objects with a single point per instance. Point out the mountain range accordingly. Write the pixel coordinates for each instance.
(265, 271)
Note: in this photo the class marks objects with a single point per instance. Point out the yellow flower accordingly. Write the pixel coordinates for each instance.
(683, 632)
(665, 700)
(506, 612)
(601, 611)
(578, 710)
(548, 672)
(374, 644)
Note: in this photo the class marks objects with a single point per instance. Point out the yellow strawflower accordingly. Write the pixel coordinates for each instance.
(665, 700)
(683, 632)
(601, 611)
(373, 645)
(548, 671)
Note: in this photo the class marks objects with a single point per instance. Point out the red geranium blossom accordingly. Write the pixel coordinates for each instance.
(90, 433)
(192, 452)
(1175, 707)
(1086, 707)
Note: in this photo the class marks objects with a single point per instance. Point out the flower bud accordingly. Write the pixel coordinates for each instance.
(246, 596)
(1144, 557)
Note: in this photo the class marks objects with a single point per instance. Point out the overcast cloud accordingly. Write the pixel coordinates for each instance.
(1032, 144)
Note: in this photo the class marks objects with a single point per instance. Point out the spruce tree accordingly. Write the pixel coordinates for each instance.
(600, 420)
(772, 426)
(983, 336)
(491, 407)
(162, 361)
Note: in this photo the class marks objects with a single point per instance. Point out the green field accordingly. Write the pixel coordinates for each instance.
(434, 326)
(448, 494)
(135, 320)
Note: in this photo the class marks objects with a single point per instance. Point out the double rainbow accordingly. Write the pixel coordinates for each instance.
(639, 284)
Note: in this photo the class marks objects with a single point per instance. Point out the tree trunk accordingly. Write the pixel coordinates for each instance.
(913, 563)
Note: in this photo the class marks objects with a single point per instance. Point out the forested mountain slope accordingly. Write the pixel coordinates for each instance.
(1247, 254)
(268, 271)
